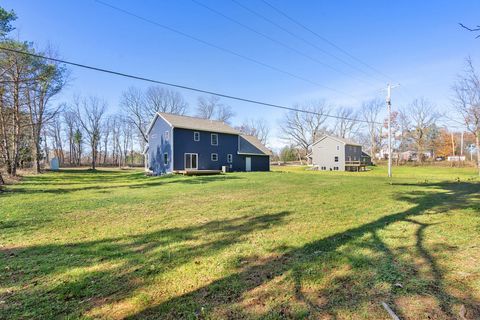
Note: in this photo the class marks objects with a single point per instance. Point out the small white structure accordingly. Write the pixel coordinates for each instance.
(54, 164)
(456, 158)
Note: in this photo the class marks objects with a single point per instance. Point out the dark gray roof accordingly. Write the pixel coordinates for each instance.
(251, 145)
(342, 140)
(194, 123)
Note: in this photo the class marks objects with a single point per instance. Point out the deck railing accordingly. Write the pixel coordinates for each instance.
(355, 163)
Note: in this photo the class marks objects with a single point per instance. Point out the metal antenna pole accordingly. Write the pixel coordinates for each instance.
(389, 110)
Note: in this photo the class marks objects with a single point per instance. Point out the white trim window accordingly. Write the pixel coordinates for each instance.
(166, 135)
(214, 157)
(336, 158)
(338, 148)
(214, 139)
(229, 158)
(165, 158)
(196, 136)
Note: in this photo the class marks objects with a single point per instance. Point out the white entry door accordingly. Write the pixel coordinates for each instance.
(248, 164)
(191, 162)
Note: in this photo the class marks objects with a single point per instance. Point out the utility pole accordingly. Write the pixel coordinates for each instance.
(389, 110)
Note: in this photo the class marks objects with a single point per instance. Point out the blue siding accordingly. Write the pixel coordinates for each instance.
(183, 142)
(260, 163)
(227, 144)
(158, 145)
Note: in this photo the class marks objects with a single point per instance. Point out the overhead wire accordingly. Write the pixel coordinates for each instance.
(179, 86)
(229, 51)
(278, 42)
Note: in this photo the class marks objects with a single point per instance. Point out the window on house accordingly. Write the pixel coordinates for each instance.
(196, 136)
(167, 135)
(336, 158)
(229, 158)
(165, 158)
(214, 157)
(338, 147)
(214, 139)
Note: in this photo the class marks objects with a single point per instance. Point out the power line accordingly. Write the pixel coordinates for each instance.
(261, 16)
(222, 95)
(266, 65)
(324, 39)
(283, 44)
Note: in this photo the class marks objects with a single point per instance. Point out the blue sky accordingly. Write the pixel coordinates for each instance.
(416, 43)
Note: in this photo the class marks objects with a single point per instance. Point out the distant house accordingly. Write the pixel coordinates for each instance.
(337, 154)
(183, 143)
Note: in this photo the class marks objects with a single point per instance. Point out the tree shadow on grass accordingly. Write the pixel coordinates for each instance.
(333, 275)
(83, 275)
(133, 181)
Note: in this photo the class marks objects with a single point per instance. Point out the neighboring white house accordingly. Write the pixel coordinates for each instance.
(337, 154)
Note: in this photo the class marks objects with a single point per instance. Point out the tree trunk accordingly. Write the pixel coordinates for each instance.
(2, 182)
(38, 155)
(94, 156)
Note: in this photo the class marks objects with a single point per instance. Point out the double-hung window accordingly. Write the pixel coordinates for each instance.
(165, 158)
(196, 136)
(229, 158)
(166, 135)
(214, 157)
(214, 139)
(336, 158)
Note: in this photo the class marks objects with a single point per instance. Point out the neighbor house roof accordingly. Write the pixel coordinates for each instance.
(251, 145)
(342, 140)
(194, 123)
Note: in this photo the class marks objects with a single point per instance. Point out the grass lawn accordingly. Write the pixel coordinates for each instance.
(288, 244)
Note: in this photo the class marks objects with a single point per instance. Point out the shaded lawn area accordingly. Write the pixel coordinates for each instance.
(285, 244)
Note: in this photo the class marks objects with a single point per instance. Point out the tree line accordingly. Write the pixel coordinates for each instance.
(34, 125)
(416, 127)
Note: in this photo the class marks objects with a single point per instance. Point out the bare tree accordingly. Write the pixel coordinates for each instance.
(211, 108)
(106, 129)
(304, 128)
(346, 124)
(467, 103)
(420, 116)
(257, 128)
(160, 99)
(477, 29)
(90, 113)
(55, 132)
(140, 108)
(127, 138)
(371, 111)
(137, 112)
(224, 113)
(77, 146)
(69, 120)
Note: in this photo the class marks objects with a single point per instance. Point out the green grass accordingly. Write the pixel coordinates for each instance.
(290, 243)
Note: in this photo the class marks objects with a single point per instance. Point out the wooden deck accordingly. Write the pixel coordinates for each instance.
(355, 165)
(197, 172)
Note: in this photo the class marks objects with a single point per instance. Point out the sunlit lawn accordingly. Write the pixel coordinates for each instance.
(284, 244)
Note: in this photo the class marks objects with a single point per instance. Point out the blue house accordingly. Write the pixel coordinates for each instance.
(186, 144)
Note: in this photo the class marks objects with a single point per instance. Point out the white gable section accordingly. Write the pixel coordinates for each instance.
(324, 152)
